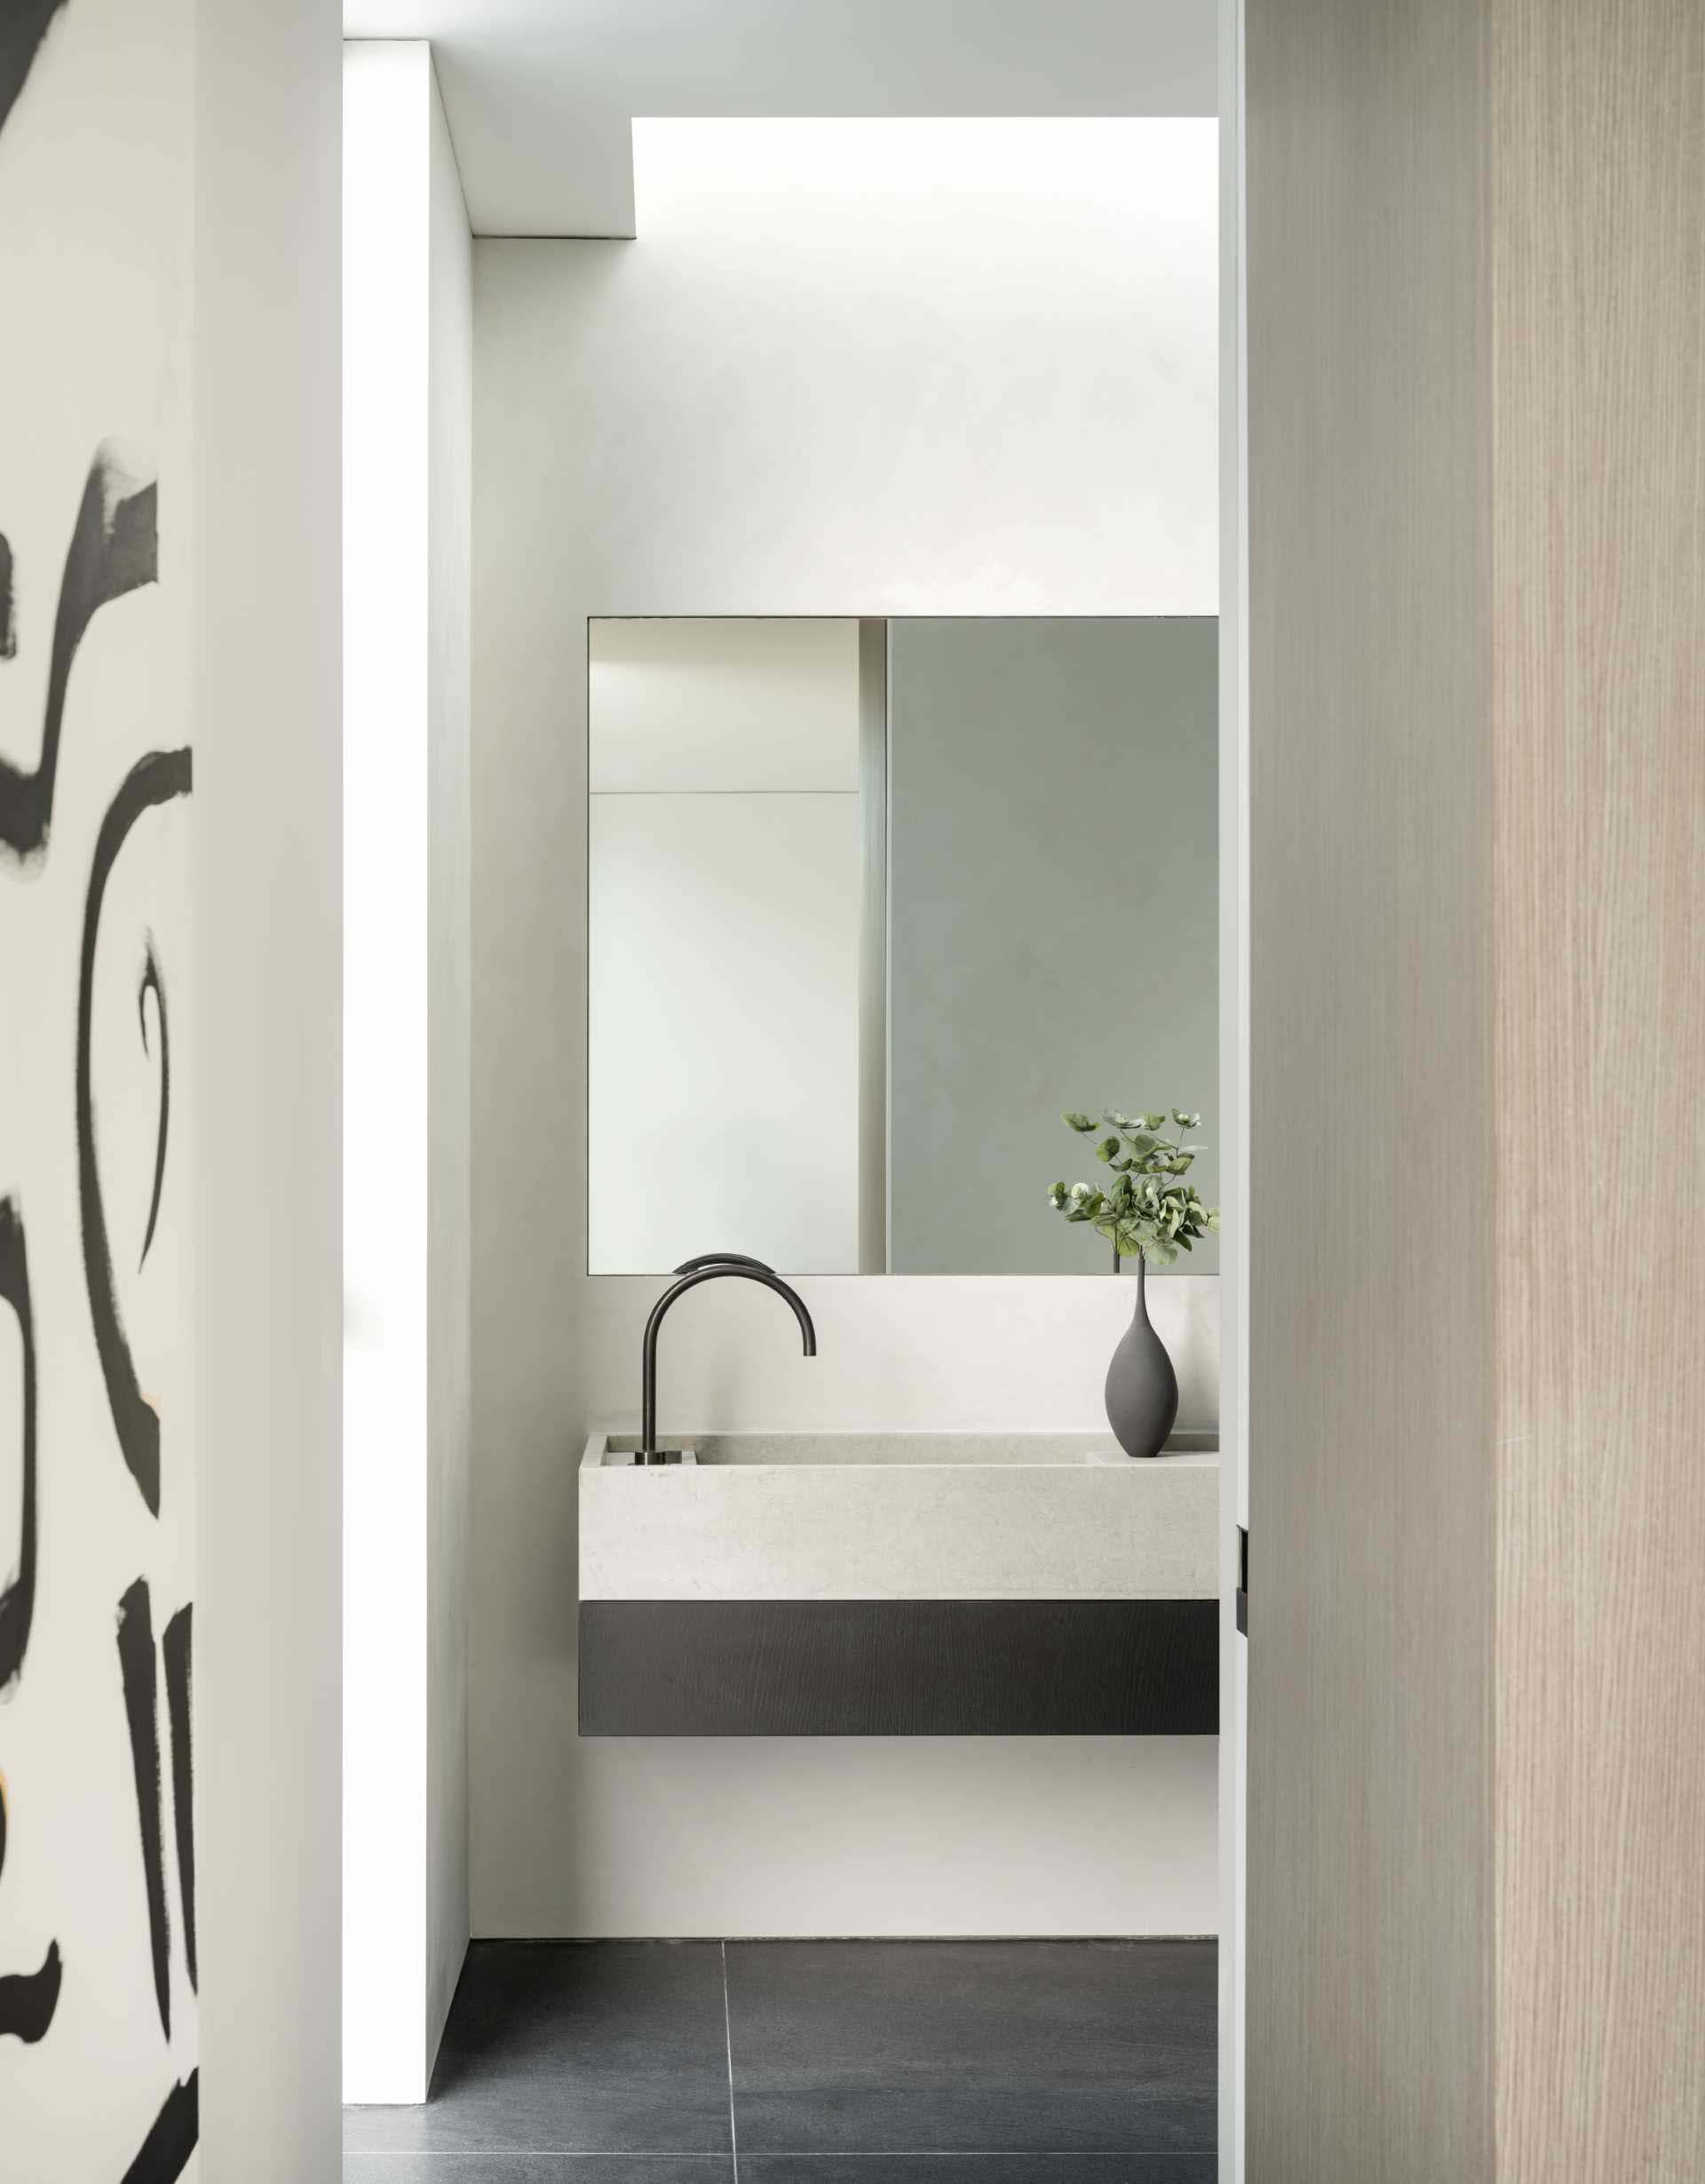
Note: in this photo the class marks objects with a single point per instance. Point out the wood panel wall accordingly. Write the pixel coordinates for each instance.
(1371, 1492)
(1597, 305)
(1477, 526)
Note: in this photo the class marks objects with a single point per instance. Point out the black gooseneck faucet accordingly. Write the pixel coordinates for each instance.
(723, 1259)
(715, 1267)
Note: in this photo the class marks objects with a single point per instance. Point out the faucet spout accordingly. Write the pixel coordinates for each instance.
(719, 1269)
(723, 1259)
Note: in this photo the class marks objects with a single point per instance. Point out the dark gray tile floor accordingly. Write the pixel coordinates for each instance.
(814, 2062)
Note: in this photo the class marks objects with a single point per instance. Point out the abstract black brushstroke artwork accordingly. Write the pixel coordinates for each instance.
(176, 1649)
(153, 781)
(114, 547)
(23, 25)
(137, 1669)
(153, 983)
(171, 2140)
(18, 1593)
(27, 1999)
(113, 550)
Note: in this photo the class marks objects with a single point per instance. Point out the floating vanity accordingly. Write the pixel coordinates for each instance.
(864, 1585)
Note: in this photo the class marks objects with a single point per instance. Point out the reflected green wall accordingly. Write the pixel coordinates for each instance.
(1052, 921)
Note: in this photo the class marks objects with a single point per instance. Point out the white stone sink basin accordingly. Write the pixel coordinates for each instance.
(901, 1516)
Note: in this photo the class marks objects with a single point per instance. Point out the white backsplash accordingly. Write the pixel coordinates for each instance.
(1002, 1351)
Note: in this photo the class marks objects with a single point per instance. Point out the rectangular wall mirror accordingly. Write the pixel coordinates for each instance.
(850, 949)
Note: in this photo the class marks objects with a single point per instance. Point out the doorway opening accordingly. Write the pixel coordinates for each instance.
(664, 951)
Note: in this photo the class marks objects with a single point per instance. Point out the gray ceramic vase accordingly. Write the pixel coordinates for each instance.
(1142, 1388)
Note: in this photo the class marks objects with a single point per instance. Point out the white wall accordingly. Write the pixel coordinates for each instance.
(449, 1365)
(933, 1351)
(267, 726)
(848, 368)
(406, 440)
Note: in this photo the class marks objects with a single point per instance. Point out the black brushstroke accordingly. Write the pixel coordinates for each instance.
(18, 1596)
(114, 548)
(176, 1649)
(28, 2000)
(136, 1667)
(166, 2150)
(23, 25)
(8, 632)
(152, 982)
(17, 1592)
(152, 780)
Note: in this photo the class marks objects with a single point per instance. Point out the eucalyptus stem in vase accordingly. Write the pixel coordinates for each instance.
(1149, 1213)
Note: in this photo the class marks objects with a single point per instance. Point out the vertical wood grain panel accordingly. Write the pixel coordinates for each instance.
(1370, 1387)
(1477, 488)
(1598, 607)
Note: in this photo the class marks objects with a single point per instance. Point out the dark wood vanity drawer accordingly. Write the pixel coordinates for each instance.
(900, 1668)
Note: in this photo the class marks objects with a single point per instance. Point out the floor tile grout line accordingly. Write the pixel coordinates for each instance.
(782, 2153)
(526, 2153)
(728, 2043)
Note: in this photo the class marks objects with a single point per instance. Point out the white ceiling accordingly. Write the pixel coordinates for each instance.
(540, 93)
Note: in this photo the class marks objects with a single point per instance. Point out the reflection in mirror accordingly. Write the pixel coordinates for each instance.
(726, 890)
(850, 953)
